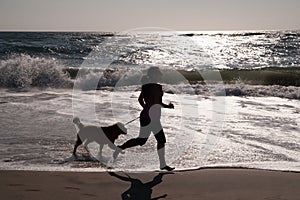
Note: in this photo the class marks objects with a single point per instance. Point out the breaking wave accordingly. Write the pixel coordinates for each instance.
(24, 71)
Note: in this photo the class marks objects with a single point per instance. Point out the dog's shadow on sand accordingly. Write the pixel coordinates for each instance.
(139, 190)
(85, 160)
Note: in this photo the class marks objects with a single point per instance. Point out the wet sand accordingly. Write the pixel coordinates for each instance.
(210, 184)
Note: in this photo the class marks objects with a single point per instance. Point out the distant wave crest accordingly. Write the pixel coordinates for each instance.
(289, 92)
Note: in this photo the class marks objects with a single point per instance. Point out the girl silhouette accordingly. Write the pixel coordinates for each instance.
(151, 100)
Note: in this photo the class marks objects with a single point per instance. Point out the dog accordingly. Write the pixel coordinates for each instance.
(101, 135)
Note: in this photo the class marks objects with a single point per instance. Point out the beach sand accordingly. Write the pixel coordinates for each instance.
(210, 184)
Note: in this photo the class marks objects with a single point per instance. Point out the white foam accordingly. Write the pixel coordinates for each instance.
(254, 133)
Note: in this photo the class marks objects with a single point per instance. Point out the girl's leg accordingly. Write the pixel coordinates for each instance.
(133, 142)
(128, 144)
(162, 160)
(161, 140)
(161, 155)
(141, 140)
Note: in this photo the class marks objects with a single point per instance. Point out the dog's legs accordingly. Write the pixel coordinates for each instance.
(78, 143)
(85, 145)
(100, 150)
(112, 146)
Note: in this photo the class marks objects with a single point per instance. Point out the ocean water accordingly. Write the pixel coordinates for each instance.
(187, 50)
(214, 124)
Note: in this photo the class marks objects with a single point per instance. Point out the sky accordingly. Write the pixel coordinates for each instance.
(121, 15)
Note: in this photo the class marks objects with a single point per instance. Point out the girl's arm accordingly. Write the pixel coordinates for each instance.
(170, 105)
(141, 100)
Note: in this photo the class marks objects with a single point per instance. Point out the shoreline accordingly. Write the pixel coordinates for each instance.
(133, 171)
(225, 183)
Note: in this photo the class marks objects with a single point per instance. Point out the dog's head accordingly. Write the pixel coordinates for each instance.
(116, 130)
(76, 120)
(122, 130)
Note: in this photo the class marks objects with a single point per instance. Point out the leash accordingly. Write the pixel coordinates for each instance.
(131, 121)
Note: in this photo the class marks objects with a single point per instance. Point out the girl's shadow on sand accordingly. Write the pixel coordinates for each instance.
(139, 190)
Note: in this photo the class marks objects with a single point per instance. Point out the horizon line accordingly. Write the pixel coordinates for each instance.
(110, 31)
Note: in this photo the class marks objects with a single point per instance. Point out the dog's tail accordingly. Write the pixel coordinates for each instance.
(76, 121)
